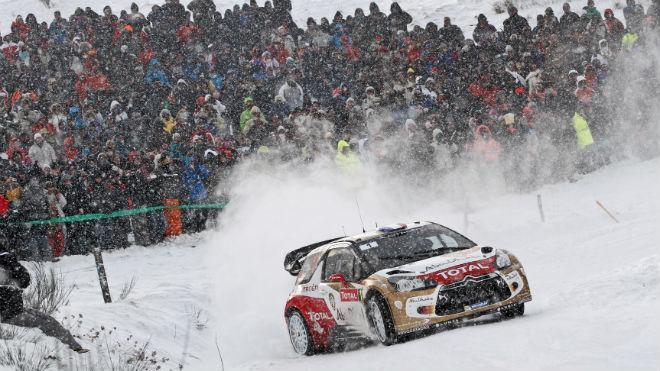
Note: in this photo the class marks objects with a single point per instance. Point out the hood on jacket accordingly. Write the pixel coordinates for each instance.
(341, 145)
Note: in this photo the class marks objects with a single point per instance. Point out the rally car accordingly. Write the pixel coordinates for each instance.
(394, 281)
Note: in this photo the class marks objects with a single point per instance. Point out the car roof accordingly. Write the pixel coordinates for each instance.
(370, 235)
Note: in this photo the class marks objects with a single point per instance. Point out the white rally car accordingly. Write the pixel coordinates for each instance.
(396, 280)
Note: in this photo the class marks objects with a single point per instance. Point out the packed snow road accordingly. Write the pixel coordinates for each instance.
(594, 281)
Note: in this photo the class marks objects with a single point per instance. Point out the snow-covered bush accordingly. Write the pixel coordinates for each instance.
(47, 291)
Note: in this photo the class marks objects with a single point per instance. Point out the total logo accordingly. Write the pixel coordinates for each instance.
(468, 268)
(318, 316)
(349, 295)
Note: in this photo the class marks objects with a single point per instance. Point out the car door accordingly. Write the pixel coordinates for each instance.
(344, 298)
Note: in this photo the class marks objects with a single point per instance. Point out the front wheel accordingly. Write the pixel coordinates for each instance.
(514, 311)
(299, 334)
(380, 320)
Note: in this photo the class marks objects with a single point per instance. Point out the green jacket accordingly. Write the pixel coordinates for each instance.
(582, 131)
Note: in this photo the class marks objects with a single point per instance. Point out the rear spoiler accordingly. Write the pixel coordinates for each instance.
(293, 260)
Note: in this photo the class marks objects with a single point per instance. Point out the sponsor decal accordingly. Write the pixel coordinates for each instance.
(459, 272)
(349, 295)
(438, 265)
(511, 276)
(470, 268)
(310, 288)
(420, 299)
(367, 246)
(479, 304)
(318, 316)
(415, 329)
(335, 307)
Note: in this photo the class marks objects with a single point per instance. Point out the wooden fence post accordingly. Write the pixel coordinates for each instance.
(103, 279)
(539, 201)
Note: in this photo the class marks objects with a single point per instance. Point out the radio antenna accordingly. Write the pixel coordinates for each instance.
(360, 215)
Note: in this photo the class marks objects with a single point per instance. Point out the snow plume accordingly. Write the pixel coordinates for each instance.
(636, 78)
(276, 209)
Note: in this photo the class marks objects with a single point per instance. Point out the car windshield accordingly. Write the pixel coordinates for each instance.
(411, 245)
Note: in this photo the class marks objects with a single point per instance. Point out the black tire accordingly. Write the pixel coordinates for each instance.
(301, 338)
(514, 311)
(379, 313)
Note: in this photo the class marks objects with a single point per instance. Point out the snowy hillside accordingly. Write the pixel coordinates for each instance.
(463, 13)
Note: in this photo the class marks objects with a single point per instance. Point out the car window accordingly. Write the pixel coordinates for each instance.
(308, 268)
(341, 260)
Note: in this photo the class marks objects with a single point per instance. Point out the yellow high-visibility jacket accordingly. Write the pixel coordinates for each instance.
(582, 131)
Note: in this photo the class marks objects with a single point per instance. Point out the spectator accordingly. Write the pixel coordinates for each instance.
(42, 153)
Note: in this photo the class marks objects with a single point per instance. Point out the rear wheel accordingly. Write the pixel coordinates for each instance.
(514, 311)
(380, 320)
(299, 334)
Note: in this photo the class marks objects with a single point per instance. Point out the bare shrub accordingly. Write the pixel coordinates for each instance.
(47, 292)
(22, 356)
(8, 332)
(198, 316)
(127, 288)
(118, 354)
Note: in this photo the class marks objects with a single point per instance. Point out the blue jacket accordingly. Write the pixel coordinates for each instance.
(154, 72)
(193, 174)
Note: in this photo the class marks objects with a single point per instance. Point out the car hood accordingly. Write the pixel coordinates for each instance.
(447, 268)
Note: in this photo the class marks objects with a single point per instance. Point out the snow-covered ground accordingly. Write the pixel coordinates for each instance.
(594, 281)
(168, 307)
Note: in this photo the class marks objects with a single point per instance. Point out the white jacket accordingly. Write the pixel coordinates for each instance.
(43, 155)
(293, 95)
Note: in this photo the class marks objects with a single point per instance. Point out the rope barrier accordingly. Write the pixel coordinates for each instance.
(115, 214)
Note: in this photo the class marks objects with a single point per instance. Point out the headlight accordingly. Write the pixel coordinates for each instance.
(502, 260)
(405, 284)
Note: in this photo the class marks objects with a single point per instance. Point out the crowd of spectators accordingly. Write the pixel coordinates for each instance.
(105, 112)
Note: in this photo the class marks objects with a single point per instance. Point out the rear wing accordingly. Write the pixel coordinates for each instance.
(293, 260)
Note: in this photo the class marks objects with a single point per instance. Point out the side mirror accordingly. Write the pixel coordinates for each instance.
(338, 278)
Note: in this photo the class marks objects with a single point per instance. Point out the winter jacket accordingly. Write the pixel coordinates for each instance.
(634, 16)
(399, 19)
(582, 131)
(13, 279)
(347, 163)
(516, 24)
(43, 155)
(482, 34)
(486, 148)
(156, 73)
(34, 202)
(193, 177)
(293, 95)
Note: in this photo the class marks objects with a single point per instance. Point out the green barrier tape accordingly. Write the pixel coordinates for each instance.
(115, 214)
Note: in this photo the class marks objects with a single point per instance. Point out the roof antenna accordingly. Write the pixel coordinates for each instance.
(360, 214)
(376, 224)
(344, 230)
